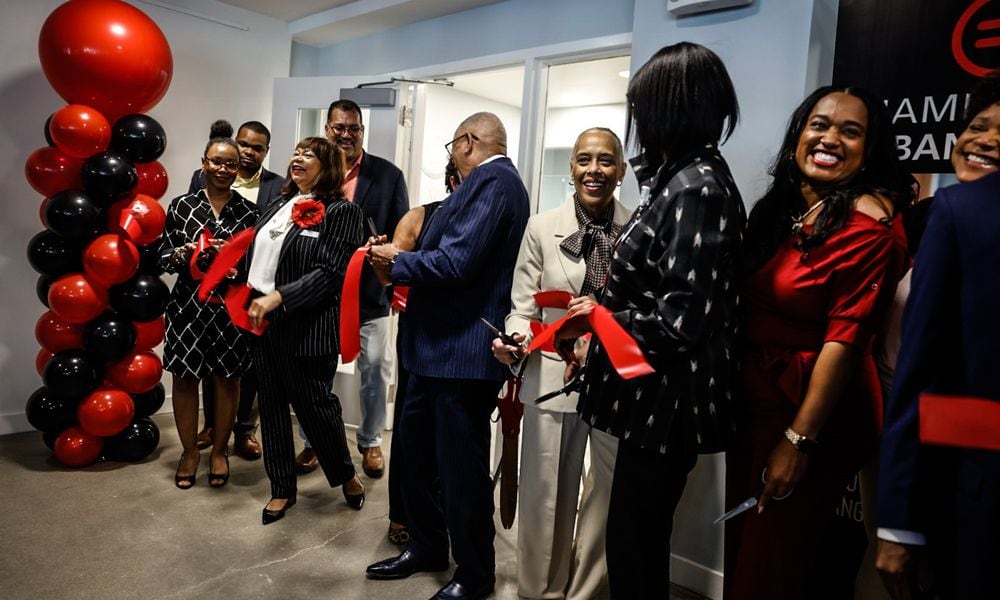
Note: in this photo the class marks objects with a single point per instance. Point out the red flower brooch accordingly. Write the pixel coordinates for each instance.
(308, 212)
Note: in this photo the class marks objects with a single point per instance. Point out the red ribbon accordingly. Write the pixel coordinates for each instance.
(959, 421)
(511, 409)
(229, 256)
(622, 350)
(237, 298)
(399, 295)
(350, 307)
(203, 242)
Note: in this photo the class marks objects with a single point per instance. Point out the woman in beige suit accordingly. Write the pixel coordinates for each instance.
(566, 248)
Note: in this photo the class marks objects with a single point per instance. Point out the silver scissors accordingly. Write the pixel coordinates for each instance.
(506, 339)
(750, 502)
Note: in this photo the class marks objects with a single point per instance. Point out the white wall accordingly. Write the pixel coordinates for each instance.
(219, 72)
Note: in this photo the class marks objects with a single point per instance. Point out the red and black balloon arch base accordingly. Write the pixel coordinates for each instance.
(97, 256)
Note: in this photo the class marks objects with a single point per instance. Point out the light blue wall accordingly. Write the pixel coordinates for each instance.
(305, 60)
(492, 29)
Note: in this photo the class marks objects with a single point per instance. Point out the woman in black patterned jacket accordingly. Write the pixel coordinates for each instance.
(303, 243)
(671, 286)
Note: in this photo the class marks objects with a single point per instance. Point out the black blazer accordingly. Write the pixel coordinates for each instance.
(270, 187)
(381, 194)
(310, 276)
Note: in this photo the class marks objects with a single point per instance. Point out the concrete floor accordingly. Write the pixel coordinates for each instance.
(114, 531)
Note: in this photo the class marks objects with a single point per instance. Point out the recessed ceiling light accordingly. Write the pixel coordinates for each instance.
(623, 74)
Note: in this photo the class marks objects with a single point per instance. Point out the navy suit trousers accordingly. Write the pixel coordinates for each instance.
(445, 435)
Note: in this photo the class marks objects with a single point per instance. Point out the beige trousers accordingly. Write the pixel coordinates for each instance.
(550, 562)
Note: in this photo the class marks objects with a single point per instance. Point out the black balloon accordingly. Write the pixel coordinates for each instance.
(108, 177)
(52, 254)
(142, 298)
(71, 374)
(139, 138)
(42, 287)
(49, 439)
(134, 443)
(48, 135)
(71, 214)
(50, 413)
(149, 259)
(109, 337)
(147, 403)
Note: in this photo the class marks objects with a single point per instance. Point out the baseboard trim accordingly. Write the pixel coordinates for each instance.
(696, 577)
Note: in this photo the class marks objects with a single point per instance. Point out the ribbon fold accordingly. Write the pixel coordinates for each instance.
(623, 352)
(350, 307)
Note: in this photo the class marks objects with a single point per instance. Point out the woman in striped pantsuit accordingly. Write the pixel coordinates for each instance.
(303, 242)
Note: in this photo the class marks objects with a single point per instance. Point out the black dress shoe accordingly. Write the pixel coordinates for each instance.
(270, 516)
(401, 566)
(457, 591)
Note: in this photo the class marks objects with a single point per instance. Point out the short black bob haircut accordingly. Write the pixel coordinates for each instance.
(681, 99)
(983, 94)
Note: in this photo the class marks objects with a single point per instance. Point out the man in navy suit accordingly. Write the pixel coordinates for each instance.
(463, 272)
(259, 186)
(378, 187)
(947, 497)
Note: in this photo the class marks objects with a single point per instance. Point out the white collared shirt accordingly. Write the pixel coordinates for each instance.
(267, 249)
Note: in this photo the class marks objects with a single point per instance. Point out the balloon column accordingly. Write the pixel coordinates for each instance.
(100, 179)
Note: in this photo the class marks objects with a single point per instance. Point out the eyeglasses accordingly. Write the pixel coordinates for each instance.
(450, 145)
(228, 165)
(342, 129)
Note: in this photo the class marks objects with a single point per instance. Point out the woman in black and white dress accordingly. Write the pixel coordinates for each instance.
(201, 340)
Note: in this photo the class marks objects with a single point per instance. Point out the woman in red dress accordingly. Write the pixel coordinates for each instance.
(825, 252)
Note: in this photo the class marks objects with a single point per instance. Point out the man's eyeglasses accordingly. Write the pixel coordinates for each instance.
(228, 165)
(450, 145)
(342, 129)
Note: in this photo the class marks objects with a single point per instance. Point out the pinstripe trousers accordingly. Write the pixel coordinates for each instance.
(307, 384)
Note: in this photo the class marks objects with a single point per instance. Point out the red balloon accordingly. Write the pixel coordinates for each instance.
(50, 171)
(77, 298)
(55, 334)
(106, 54)
(79, 130)
(41, 358)
(153, 179)
(136, 374)
(110, 259)
(105, 412)
(77, 448)
(141, 218)
(148, 334)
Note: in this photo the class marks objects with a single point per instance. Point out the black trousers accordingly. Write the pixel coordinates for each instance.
(397, 509)
(244, 410)
(644, 494)
(307, 384)
(445, 436)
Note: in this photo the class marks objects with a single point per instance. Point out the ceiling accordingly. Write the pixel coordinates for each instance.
(592, 82)
(324, 22)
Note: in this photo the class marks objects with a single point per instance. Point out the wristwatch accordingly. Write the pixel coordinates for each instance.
(802, 443)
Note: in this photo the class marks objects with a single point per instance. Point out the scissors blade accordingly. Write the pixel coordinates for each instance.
(495, 331)
(739, 510)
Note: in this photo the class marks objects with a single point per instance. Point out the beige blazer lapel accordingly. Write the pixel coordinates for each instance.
(574, 269)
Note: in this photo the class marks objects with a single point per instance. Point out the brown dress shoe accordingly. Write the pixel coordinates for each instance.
(372, 462)
(306, 461)
(247, 447)
(205, 438)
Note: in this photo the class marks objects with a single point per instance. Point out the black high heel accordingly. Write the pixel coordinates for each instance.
(218, 480)
(270, 516)
(355, 501)
(188, 479)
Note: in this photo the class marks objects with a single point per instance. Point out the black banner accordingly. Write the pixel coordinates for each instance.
(921, 56)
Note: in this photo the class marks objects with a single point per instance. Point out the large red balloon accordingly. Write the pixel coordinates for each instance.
(77, 298)
(105, 412)
(79, 130)
(137, 373)
(141, 218)
(77, 448)
(41, 358)
(148, 334)
(106, 54)
(55, 334)
(153, 179)
(50, 171)
(111, 259)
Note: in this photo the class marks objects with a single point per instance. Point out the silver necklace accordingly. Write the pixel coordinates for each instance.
(799, 222)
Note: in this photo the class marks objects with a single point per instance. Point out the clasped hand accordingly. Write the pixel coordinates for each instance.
(506, 353)
(381, 255)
